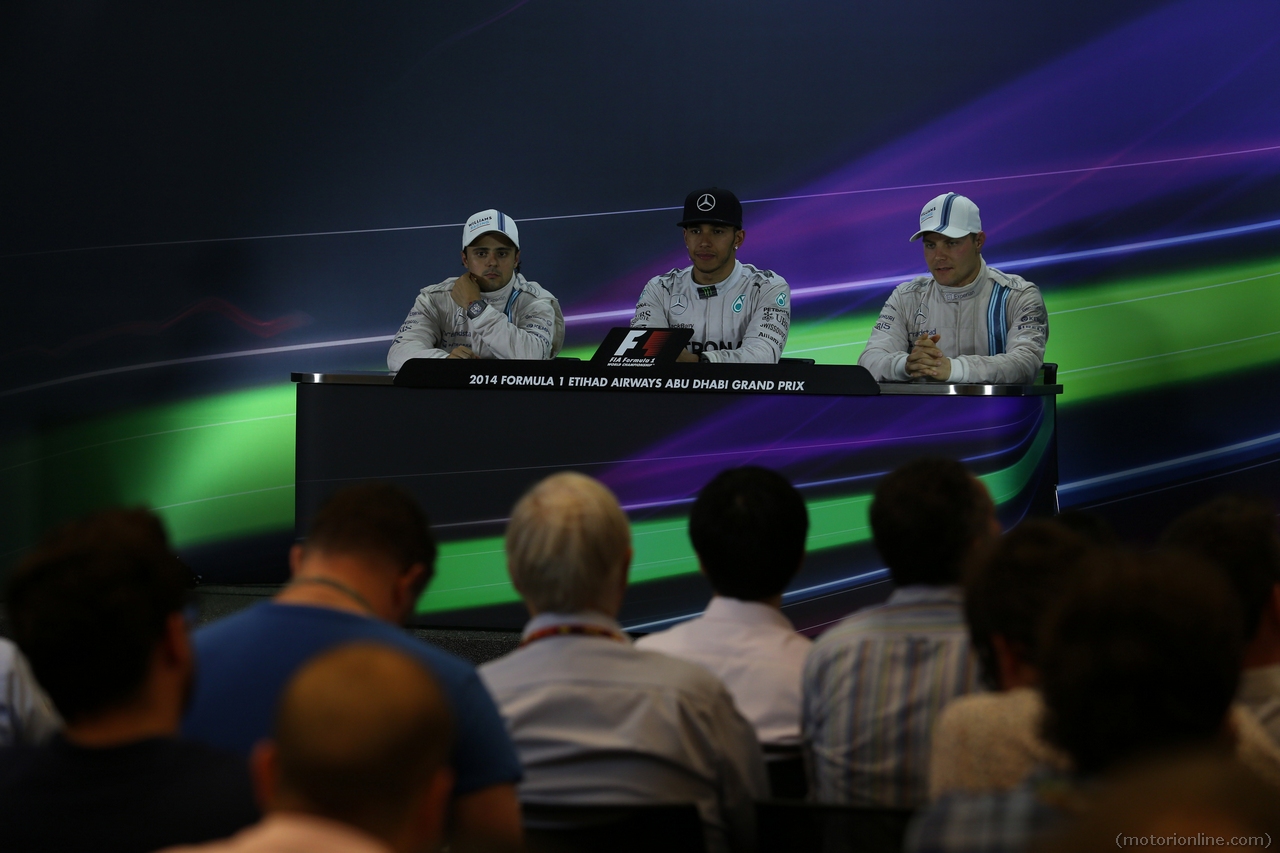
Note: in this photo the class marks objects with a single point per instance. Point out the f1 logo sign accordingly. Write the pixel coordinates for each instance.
(630, 340)
(650, 348)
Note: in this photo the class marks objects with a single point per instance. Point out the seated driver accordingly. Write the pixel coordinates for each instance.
(490, 311)
(965, 322)
(738, 313)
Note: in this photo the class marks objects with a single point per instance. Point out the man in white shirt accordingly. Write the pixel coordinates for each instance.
(739, 314)
(490, 311)
(965, 322)
(748, 528)
(26, 714)
(594, 719)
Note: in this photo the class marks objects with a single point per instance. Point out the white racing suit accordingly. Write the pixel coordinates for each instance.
(521, 321)
(993, 330)
(744, 318)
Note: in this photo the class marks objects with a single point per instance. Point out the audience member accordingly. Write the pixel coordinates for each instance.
(98, 611)
(748, 528)
(368, 558)
(1239, 535)
(596, 720)
(1140, 656)
(1195, 799)
(26, 714)
(875, 683)
(358, 759)
(991, 741)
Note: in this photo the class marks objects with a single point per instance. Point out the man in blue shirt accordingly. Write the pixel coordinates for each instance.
(368, 558)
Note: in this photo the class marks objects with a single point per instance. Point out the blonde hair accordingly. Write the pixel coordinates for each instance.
(568, 543)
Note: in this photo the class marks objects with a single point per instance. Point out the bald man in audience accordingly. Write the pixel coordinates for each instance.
(358, 761)
(596, 720)
(358, 576)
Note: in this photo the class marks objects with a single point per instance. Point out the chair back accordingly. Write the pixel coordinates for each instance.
(787, 777)
(645, 828)
(784, 826)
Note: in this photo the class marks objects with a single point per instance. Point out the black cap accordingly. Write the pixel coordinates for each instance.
(714, 205)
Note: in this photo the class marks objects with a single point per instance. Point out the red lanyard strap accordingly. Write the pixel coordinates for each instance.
(564, 630)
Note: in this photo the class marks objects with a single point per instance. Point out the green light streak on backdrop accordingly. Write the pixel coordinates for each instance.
(473, 572)
(1165, 330)
(221, 466)
(214, 468)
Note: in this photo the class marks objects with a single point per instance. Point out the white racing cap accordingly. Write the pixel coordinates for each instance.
(487, 221)
(950, 215)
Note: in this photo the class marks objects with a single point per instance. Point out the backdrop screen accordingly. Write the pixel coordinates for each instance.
(202, 197)
(655, 450)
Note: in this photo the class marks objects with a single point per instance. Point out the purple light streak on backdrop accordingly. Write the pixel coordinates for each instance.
(799, 294)
(1098, 106)
(836, 439)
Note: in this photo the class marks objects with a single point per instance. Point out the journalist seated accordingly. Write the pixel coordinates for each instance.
(594, 719)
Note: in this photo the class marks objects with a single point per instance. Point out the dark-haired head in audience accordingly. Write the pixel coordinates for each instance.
(927, 517)
(1006, 592)
(748, 528)
(1142, 655)
(372, 539)
(1238, 535)
(362, 737)
(91, 607)
(98, 609)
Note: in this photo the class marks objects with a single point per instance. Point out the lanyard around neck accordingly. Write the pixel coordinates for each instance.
(339, 586)
(572, 629)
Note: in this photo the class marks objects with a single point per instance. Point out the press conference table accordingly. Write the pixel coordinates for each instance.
(468, 437)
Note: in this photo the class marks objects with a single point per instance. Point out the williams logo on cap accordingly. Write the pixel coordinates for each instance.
(488, 222)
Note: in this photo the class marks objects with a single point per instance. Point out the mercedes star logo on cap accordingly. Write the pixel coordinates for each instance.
(706, 202)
